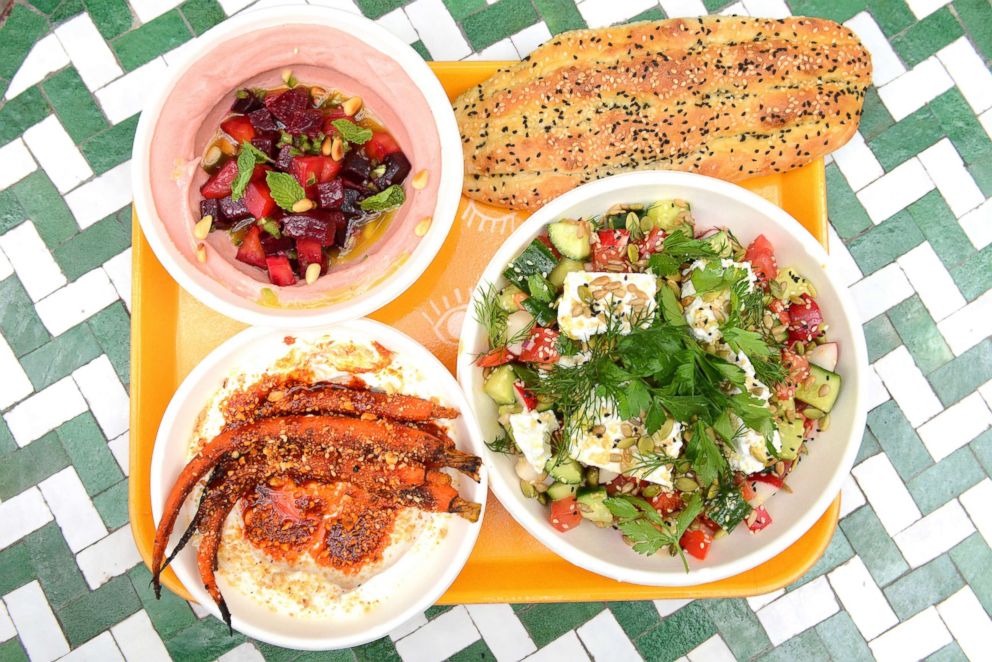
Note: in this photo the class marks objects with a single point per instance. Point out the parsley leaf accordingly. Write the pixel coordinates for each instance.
(707, 460)
(749, 342)
(385, 199)
(284, 189)
(352, 132)
(670, 307)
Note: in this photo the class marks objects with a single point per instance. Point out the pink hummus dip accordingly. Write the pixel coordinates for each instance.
(316, 55)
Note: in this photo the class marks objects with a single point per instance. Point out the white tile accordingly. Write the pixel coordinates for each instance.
(438, 31)
(713, 649)
(146, 10)
(441, 638)
(875, 393)
(501, 50)
(985, 119)
(910, 91)
(80, 522)
(6, 269)
(21, 514)
(566, 647)
(736, 9)
(986, 392)
(977, 224)
(33, 263)
(15, 163)
(977, 501)
(502, 631)
(851, 497)
(763, 8)
(886, 65)
(37, 628)
(931, 280)
(962, 330)
(101, 648)
(858, 163)
(530, 38)
(758, 601)
(99, 384)
(843, 266)
(118, 269)
(198, 610)
(15, 385)
(862, 598)
(97, 199)
(246, 652)
(895, 190)
(343, 5)
(955, 426)
(231, 7)
(7, 629)
(886, 493)
(907, 385)
(409, 627)
(964, 616)
(57, 153)
(669, 607)
(126, 95)
(46, 56)
(138, 640)
(945, 167)
(88, 51)
(798, 610)
(44, 411)
(601, 13)
(120, 449)
(76, 302)
(923, 8)
(605, 639)
(684, 8)
(397, 22)
(969, 73)
(108, 558)
(913, 639)
(934, 534)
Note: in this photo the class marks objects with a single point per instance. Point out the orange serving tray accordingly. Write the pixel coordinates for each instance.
(171, 332)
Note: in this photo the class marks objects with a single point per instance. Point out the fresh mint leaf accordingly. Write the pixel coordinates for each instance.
(248, 158)
(284, 189)
(352, 132)
(383, 200)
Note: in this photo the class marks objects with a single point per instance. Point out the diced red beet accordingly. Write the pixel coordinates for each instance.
(312, 170)
(258, 200)
(209, 207)
(239, 128)
(306, 121)
(330, 194)
(397, 168)
(245, 101)
(309, 251)
(265, 144)
(280, 270)
(250, 251)
(285, 157)
(263, 120)
(288, 103)
(335, 114)
(349, 206)
(219, 185)
(356, 166)
(318, 224)
(342, 234)
(233, 211)
(273, 246)
(380, 146)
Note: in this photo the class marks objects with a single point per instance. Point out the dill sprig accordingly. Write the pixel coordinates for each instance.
(502, 444)
(494, 319)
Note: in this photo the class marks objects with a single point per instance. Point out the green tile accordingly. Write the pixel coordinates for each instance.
(87, 448)
(28, 466)
(982, 448)
(925, 586)
(377, 8)
(112, 328)
(92, 613)
(26, 109)
(677, 634)
(976, 16)
(906, 139)
(46, 6)
(981, 172)
(93, 246)
(112, 505)
(560, 15)
(55, 566)
(155, 37)
(949, 653)
(202, 14)
(926, 37)
(881, 337)
(477, 652)
(806, 646)
(875, 117)
(635, 617)
(381, 650)
(46, 208)
(459, 9)
(421, 49)
(21, 327)
(714, 6)
(891, 15)
(547, 622)
(652, 14)
(112, 17)
(882, 244)
(12, 651)
(836, 10)
(7, 444)
(899, 440)
(738, 626)
(74, 105)
(918, 330)
(205, 640)
(945, 480)
(838, 551)
(434, 611)
(963, 375)
(60, 356)
(958, 121)
(846, 213)
(11, 211)
(168, 615)
(67, 9)
(15, 568)
(18, 34)
(497, 21)
(843, 640)
(974, 276)
(941, 228)
(112, 147)
(869, 447)
(275, 654)
(973, 559)
(866, 535)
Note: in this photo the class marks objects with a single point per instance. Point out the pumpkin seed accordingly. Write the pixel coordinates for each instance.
(646, 225)
(650, 491)
(592, 476)
(633, 225)
(645, 444)
(584, 294)
(823, 390)
(713, 491)
(686, 484)
(632, 253)
(527, 489)
(626, 442)
(813, 414)
(212, 156)
(543, 499)
(665, 431)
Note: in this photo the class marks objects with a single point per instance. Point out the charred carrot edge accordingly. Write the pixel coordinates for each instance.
(325, 398)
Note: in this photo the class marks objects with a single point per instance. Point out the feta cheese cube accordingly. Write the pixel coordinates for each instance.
(625, 295)
(748, 444)
(705, 316)
(532, 434)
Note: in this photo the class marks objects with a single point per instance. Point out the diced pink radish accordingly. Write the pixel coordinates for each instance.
(524, 397)
(824, 355)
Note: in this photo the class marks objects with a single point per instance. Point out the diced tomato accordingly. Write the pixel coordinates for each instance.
(312, 170)
(697, 543)
(805, 320)
(541, 346)
(258, 200)
(611, 249)
(652, 243)
(780, 309)
(544, 239)
(761, 519)
(238, 127)
(251, 251)
(280, 270)
(616, 486)
(761, 255)
(335, 114)
(526, 397)
(258, 174)
(797, 370)
(565, 514)
(219, 185)
(667, 503)
(381, 145)
(309, 251)
(494, 358)
(747, 492)
(771, 479)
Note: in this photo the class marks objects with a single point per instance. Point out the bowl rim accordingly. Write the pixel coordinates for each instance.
(445, 206)
(207, 369)
(509, 496)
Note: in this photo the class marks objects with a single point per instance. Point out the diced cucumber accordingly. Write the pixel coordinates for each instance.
(720, 242)
(790, 283)
(540, 288)
(509, 297)
(564, 471)
(571, 238)
(544, 403)
(592, 506)
(536, 259)
(792, 433)
(541, 311)
(728, 508)
(564, 267)
(822, 391)
(499, 385)
(561, 490)
(668, 215)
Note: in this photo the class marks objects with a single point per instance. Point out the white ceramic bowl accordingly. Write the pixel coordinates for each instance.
(816, 480)
(324, 46)
(406, 588)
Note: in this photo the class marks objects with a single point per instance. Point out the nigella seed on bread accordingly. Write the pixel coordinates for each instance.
(731, 97)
